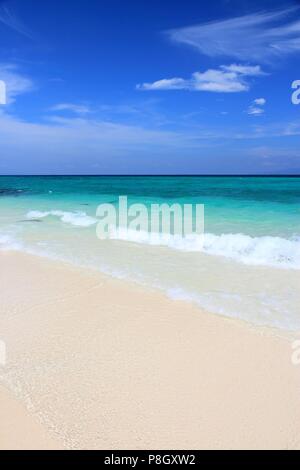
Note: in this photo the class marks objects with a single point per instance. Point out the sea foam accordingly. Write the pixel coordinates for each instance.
(78, 219)
(8, 243)
(258, 251)
(267, 250)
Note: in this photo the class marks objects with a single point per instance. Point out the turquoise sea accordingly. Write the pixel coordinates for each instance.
(248, 266)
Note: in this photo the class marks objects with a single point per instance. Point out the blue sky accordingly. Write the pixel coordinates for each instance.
(113, 87)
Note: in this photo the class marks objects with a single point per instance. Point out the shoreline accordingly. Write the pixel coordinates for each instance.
(106, 363)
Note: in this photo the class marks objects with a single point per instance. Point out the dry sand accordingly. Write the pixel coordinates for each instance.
(96, 363)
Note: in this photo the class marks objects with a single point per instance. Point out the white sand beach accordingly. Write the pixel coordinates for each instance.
(19, 430)
(98, 363)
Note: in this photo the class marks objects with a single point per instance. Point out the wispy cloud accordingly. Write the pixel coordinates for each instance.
(257, 107)
(227, 79)
(260, 36)
(255, 111)
(268, 152)
(10, 20)
(282, 159)
(260, 101)
(74, 108)
(16, 83)
(86, 145)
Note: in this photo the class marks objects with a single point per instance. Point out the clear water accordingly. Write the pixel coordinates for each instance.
(249, 266)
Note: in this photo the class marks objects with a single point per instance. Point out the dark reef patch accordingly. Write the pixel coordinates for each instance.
(12, 192)
(31, 220)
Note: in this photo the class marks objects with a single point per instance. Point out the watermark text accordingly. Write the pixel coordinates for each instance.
(296, 93)
(2, 353)
(2, 92)
(296, 353)
(158, 220)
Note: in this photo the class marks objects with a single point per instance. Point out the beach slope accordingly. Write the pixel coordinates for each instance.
(98, 363)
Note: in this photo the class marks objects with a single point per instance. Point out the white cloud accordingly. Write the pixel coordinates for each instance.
(77, 144)
(248, 70)
(9, 19)
(219, 81)
(260, 101)
(74, 108)
(282, 159)
(165, 84)
(16, 83)
(271, 152)
(227, 79)
(255, 111)
(80, 145)
(255, 37)
(257, 107)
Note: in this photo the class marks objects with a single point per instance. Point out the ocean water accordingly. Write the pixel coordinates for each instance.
(248, 266)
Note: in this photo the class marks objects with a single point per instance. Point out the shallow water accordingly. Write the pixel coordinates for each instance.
(247, 265)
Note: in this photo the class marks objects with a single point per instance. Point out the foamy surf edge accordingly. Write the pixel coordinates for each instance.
(269, 251)
(256, 251)
(78, 219)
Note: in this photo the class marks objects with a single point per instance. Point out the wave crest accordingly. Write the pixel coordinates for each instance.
(78, 219)
(265, 251)
(259, 251)
(8, 243)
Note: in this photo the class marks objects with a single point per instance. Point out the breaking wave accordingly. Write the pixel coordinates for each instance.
(260, 251)
(263, 251)
(78, 219)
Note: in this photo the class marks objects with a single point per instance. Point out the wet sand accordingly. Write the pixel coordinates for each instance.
(98, 363)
